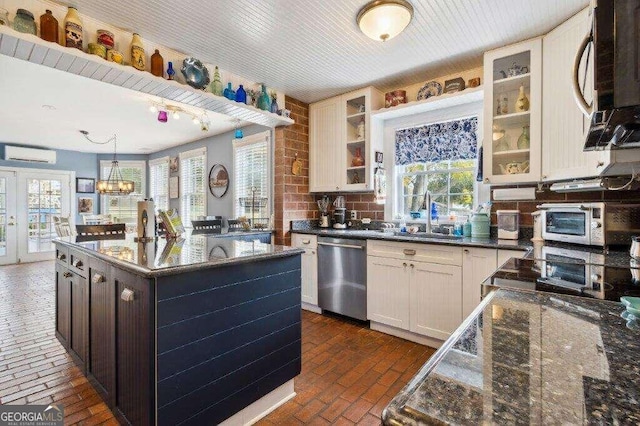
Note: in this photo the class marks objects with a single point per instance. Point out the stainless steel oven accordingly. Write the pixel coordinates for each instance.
(592, 224)
(573, 269)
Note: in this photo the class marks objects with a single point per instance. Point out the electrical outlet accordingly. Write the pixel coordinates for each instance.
(354, 214)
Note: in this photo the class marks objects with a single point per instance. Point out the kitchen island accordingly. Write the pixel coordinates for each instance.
(190, 331)
(529, 358)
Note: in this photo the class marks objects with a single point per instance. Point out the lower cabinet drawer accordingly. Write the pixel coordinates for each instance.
(432, 253)
(62, 254)
(304, 241)
(78, 262)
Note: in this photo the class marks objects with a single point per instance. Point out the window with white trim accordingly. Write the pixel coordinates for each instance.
(159, 183)
(193, 184)
(252, 177)
(124, 208)
(441, 158)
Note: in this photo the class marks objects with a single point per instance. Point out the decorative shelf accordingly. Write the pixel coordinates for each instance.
(512, 153)
(356, 115)
(433, 103)
(357, 168)
(513, 119)
(356, 142)
(30, 48)
(511, 84)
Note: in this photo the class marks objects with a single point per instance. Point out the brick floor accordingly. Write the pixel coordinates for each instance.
(349, 373)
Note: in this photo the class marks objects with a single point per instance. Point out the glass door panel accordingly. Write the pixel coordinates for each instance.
(8, 239)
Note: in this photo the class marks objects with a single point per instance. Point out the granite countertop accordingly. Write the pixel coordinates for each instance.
(522, 244)
(529, 358)
(168, 257)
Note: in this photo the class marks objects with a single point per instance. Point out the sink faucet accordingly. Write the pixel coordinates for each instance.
(426, 205)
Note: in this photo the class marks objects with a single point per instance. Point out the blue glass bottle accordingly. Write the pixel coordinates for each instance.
(264, 101)
(229, 93)
(241, 95)
(170, 71)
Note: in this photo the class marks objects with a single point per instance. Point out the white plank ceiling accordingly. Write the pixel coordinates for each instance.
(313, 49)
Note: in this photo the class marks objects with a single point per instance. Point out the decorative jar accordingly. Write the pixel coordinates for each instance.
(73, 29)
(138, 59)
(115, 56)
(105, 38)
(522, 104)
(357, 160)
(241, 95)
(49, 29)
(24, 22)
(97, 49)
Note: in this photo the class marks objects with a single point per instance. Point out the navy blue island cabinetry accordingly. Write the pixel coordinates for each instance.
(180, 332)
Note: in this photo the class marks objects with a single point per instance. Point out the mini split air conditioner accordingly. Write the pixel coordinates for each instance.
(31, 155)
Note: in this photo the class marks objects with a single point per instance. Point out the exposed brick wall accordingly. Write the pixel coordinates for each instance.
(528, 207)
(291, 193)
(364, 204)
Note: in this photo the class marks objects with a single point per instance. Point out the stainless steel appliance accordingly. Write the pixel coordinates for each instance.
(595, 224)
(340, 218)
(615, 111)
(342, 276)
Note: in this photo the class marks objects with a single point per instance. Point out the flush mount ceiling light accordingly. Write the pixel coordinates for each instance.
(382, 20)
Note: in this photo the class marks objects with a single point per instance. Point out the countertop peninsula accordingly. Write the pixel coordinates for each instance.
(529, 358)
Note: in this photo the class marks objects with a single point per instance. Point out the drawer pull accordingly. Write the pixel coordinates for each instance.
(61, 256)
(412, 265)
(409, 252)
(67, 275)
(127, 295)
(77, 263)
(466, 251)
(404, 264)
(97, 278)
(306, 241)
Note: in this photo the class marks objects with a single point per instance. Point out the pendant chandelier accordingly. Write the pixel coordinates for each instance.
(115, 184)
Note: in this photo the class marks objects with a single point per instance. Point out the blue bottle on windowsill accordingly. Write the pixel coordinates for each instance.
(434, 212)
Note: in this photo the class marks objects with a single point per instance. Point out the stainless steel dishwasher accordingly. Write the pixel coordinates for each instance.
(342, 276)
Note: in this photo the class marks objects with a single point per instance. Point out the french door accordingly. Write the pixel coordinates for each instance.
(8, 228)
(41, 196)
(29, 199)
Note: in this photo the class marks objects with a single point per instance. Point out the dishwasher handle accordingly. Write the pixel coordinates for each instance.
(341, 245)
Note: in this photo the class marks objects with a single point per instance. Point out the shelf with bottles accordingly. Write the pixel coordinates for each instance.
(513, 153)
(511, 84)
(514, 119)
(357, 142)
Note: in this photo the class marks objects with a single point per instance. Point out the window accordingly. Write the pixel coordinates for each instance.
(193, 179)
(159, 183)
(252, 176)
(441, 158)
(124, 208)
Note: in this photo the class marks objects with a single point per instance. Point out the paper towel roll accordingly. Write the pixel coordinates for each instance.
(146, 219)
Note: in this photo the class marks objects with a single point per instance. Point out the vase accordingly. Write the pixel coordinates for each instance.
(49, 30)
(274, 105)
(157, 64)
(360, 130)
(170, 71)
(73, 29)
(241, 95)
(216, 84)
(524, 142)
(138, 59)
(503, 105)
(264, 101)
(24, 22)
(522, 104)
(357, 159)
(229, 93)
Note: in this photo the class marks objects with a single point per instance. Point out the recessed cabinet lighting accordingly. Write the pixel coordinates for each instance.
(382, 20)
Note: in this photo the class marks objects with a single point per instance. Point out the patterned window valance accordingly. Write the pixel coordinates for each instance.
(450, 140)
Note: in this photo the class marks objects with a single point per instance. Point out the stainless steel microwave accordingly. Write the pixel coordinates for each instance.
(591, 224)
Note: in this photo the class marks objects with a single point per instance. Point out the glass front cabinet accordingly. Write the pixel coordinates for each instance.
(513, 102)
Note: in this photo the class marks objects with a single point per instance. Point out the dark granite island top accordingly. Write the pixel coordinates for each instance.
(193, 331)
(174, 256)
(529, 358)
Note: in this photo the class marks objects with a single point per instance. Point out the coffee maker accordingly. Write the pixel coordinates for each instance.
(339, 213)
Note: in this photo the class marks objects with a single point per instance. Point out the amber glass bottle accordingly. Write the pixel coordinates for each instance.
(157, 64)
(49, 29)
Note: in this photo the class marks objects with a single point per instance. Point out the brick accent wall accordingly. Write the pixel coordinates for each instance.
(291, 193)
(528, 207)
(364, 204)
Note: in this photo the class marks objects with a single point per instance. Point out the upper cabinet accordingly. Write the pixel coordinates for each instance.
(341, 151)
(513, 111)
(563, 124)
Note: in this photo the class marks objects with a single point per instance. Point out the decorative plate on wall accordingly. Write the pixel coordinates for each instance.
(432, 88)
(218, 180)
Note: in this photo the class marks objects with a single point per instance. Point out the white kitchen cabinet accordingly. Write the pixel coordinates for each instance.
(477, 265)
(505, 161)
(334, 141)
(388, 291)
(563, 124)
(309, 284)
(325, 134)
(435, 306)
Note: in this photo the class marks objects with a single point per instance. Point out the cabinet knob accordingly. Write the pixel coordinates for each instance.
(599, 164)
(337, 187)
(409, 252)
(486, 180)
(97, 278)
(466, 251)
(306, 241)
(77, 263)
(67, 275)
(404, 264)
(127, 295)
(544, 176)
(61, 256)
(313, 252)
(412, 265)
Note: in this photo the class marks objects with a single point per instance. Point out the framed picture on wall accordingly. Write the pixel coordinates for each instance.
(173, 164)
(85, 185)
(173, 187)
(85, 205)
